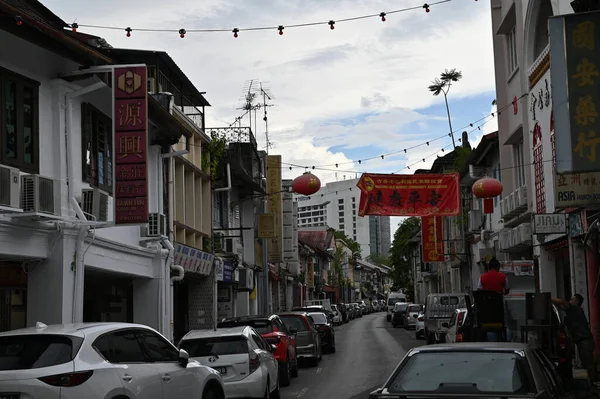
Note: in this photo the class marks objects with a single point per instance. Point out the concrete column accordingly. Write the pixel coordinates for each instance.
(242, 304)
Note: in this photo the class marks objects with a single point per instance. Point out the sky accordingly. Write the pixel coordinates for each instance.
(338, 96)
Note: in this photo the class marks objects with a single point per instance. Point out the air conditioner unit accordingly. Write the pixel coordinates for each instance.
(94, 203)
(246, 279)
(523, 234)
(512, 201)
(40, 195)
(10, 189)
(153, 86)
(505, 239)
(475, 220)
(521, 195)
(157, 225)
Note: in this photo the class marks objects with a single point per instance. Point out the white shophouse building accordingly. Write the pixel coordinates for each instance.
(55, 266)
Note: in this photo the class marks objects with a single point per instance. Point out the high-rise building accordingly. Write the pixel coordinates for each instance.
(336, 205)
(380, 235)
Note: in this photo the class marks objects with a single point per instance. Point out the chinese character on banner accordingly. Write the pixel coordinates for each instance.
(130, 140)
(432, 239)
(409, 195)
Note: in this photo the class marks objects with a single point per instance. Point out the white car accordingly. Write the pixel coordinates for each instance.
(337, 315)
(100, 360)
(242, 357)
(420, 325)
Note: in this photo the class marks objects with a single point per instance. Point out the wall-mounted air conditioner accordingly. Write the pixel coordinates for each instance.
(157, 225)
(475, 220)
(40, 195)
(246, 279)
(10, 189)
(94, 204)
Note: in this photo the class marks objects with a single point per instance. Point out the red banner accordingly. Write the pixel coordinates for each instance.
(409, 195)
(131, 145)
(432, 238)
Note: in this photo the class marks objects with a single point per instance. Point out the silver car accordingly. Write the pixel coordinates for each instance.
(411, 315)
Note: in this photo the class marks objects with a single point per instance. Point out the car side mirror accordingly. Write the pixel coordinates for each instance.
(415, 316)
(445, 325)
(184, 358)
(273, 348)
(293, 331)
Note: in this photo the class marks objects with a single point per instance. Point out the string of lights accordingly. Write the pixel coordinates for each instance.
(182, 32)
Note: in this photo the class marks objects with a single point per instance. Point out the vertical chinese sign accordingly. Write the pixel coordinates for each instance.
(131, 145)
(275, 207)
(432, 239)
(575, 71)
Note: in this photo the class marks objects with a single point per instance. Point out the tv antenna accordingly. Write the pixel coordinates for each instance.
(252, 92)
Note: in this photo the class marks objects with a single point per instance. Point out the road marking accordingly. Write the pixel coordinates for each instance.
(319, 370)
(302, 392)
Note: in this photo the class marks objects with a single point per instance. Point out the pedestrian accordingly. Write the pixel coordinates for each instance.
(494, 280)
(580, 332)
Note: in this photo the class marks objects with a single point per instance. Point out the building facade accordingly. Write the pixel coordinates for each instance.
(380, 235)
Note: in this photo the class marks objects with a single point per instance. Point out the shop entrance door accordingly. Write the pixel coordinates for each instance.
(13, 305)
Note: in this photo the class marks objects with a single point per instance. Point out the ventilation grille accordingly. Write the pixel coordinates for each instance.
(37, 194)
(5, 185)
(157, 225)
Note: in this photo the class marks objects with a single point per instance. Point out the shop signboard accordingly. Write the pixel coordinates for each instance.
(409, 195)
(193, 260)
(432, 239)
(228, 271)
(574, 190)
(130, 142)
(550, 223)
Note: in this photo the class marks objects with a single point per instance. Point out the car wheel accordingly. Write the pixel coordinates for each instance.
(267, 391)
(416, 334)
(430, 339)
(212, 394)
(276, 394)
(285, 374)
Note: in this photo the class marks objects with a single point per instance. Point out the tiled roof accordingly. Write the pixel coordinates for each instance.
(319, 240)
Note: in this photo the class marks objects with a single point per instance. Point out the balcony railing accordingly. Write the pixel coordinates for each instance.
(233, 134)
(159, 83)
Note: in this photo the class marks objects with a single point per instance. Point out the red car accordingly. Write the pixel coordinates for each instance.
(275, 332)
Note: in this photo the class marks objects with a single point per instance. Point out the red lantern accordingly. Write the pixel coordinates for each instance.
(487, 188)
(307, 184)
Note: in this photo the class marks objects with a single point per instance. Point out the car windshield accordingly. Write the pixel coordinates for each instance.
(400, 307)
(415, 308)
(23, 352)
(318, 318)
(486, 371)
(393, 301)
(210, 346)
(262, 326)
(296, 322)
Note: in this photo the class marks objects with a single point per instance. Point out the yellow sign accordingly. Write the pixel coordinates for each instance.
(275, 207)
(310, 272)
(266, 225)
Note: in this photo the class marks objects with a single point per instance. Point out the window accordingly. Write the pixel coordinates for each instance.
(342, 227)
(341, 201)
(19, 121)
(228, 345)
(25, 352)
(341, 207)
(341, 214)
(511, 50)
(96, 140)
(519, 163)
(353, 199)
(295, 322)
(120, 347)
(158, 349)
(262, 344)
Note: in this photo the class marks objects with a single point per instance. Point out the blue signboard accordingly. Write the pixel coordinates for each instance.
(228, 268)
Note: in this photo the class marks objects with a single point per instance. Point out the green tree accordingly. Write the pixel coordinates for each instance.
(380, 259)
(401, 254)
(350, 243)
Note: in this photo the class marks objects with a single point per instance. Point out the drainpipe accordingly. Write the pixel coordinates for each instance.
(79, 278)
(168, 305)
(215, 292)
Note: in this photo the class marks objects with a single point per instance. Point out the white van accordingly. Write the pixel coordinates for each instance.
(392, 299)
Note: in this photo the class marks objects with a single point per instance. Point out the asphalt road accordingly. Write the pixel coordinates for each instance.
(367, 351)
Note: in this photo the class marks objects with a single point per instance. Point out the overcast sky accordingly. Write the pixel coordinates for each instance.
(356, 92)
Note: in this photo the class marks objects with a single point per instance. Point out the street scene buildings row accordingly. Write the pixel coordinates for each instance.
(72, 247)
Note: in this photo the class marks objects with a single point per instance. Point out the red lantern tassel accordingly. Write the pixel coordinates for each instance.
(488, 206)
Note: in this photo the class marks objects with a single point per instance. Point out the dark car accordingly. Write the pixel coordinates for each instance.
(399, 314)
(315, 308)
(275, 332)
(343, 308)
(325, 329)
(308, 341)
(477, 370)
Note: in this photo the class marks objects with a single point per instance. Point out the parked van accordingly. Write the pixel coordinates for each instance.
(392, 299)
(439, 309)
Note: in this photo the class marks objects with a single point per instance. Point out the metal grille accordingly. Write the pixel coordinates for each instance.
(28, 203)
(5, 184)
(156, 225)
(87, 203)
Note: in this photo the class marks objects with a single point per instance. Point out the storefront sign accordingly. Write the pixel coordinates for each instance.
(310, 272)
(219, 269)
(193, 260)
(266, 225)
(228, 270)
(578, 223)
(275, 207)
(575, 190)
(432, 239)
(409, 195)
(575, 71)
(130, 121)
(550, 223)
(579, 277)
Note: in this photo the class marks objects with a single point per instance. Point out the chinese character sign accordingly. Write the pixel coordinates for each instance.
(409, 195)
(432, 239)
(576, 105)
(131, 145)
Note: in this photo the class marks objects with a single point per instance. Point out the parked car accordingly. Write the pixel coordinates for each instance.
(337, 315)
(315, 308)
(457, 327)
(103, 359)
(275, 332)
(399, 314)
(345, 310)
(411, 320)
(308, 342)
(357, 309)
(242, 357)
(507, 370)
(438, 310)
(325, 329)
(392, 298)
(420, 325)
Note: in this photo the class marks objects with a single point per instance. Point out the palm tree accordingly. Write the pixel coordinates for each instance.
(442, 85)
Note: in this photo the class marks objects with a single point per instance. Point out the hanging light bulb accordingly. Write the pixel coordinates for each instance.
(331, 24)
(182, 33)
(280, 29)
(128, 32)
(235, 32)
(382, 15)
(426, 7)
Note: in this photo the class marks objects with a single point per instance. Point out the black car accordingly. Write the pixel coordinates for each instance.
(342, 307)
(326, 331)
(399, 314)
(477, 370)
